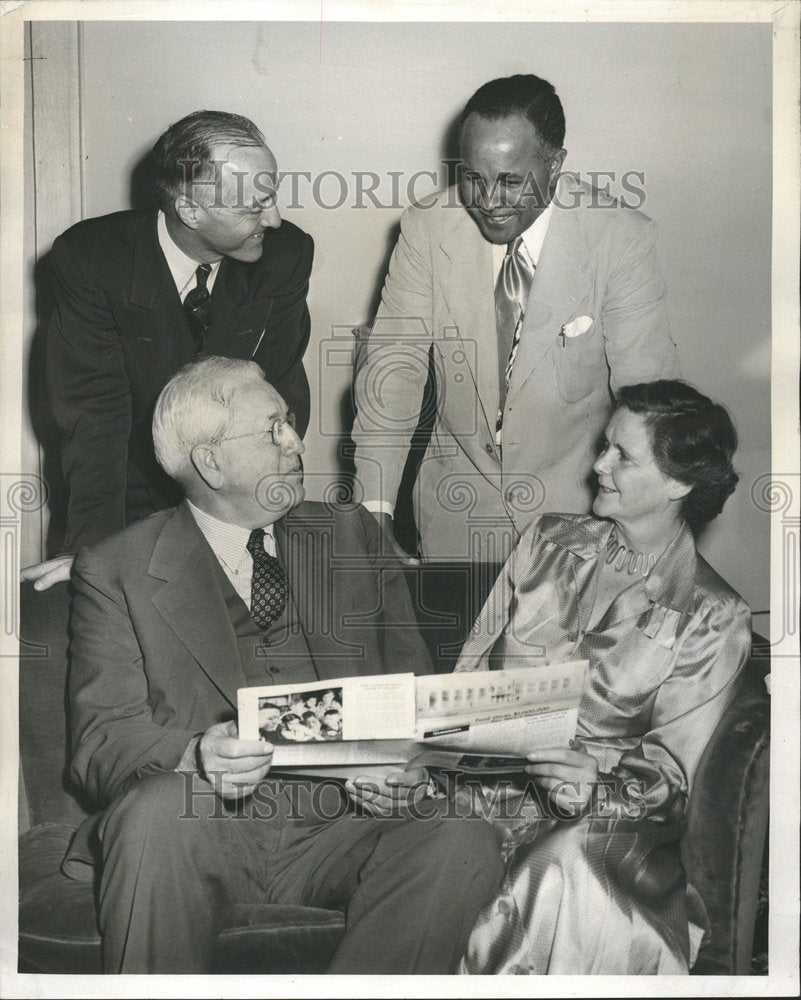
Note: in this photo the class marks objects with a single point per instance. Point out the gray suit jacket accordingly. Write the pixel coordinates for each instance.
(598, 261)
(154, 656)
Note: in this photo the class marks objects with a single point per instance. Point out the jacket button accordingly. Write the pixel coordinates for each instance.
(489, 448)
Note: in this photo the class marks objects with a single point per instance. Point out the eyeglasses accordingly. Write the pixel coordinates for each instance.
(278, 430)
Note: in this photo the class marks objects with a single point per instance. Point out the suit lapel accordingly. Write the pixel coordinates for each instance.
(561, 283)
(153, 322)
(305, 546)
(239, 314)
(466, 268)
(191, 601)
(308, 541)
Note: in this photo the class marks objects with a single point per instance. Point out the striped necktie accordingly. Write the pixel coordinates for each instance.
(511, 295)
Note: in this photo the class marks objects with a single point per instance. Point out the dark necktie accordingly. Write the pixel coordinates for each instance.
(268, 589)
(197, 308)
(511, 295)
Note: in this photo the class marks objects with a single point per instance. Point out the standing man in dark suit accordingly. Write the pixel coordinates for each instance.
(243, 584)
(139, 294)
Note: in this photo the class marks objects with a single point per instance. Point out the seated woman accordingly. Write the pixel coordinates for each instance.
(666, 638)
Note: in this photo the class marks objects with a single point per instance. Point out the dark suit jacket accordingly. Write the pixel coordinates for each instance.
(154, 656)
(118, 333)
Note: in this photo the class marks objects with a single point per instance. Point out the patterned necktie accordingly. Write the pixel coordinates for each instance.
(268, 589)
(511, 294)
(197, 308)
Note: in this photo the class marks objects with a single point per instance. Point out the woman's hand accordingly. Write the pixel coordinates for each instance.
(399, 794)
(568, 775)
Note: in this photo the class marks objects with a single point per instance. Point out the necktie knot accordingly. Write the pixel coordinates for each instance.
(255, 542)
(202, 276)
(514, 247)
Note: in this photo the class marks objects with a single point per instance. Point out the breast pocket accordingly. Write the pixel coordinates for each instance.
(580, 364)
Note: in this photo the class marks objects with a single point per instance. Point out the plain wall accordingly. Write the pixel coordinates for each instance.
(687, 105)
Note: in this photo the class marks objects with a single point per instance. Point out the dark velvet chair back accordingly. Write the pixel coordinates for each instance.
(44, 736)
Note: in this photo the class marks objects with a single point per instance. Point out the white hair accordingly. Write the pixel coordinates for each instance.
(194, 407)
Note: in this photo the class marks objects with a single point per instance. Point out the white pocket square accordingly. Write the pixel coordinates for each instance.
(577, 326)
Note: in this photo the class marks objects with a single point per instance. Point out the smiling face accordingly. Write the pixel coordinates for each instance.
(230, 218)
(632, 490)
(507, 175)
(260, 480)
(269, 718)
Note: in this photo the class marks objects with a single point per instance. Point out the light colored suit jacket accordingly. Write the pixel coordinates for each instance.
(598, 261)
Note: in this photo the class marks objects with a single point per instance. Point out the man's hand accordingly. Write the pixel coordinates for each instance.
(399, 794)
(568, 775)
(45, 574)
(233, 766)
(390, 546)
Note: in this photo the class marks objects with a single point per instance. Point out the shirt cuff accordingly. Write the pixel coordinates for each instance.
(379, 507)
(190, 759)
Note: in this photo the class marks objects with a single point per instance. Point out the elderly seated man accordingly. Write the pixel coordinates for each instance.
(171, 616)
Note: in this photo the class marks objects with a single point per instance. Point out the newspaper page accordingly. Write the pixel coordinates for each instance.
(510, 712)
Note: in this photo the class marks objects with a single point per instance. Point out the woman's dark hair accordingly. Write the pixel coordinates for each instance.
(693, 440)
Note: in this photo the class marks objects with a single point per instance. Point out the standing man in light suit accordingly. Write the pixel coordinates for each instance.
(525, 373)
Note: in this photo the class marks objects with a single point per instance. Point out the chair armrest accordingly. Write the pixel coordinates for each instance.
(726, 826)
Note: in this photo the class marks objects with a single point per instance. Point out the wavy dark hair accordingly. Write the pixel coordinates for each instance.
(184, 152)
(522, 94)
(693, 440)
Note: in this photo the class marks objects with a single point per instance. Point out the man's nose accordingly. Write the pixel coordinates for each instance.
(292, 444)
(601, 463)
(493, 196)
(270, 217)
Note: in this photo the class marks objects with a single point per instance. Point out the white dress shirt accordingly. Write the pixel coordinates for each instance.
(228, 543)
(182, 268)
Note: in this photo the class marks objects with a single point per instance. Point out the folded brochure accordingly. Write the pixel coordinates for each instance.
(482, 720)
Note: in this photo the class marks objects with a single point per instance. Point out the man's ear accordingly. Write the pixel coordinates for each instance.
(187, 210)
(555, 167)
(207, 466)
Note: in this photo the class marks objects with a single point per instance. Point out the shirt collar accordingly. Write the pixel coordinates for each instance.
(671, 582)
(534, 236)
(182, 268)
(228, 541)
(533, 239)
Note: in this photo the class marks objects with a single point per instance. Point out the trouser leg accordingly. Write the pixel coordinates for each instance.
(411, 889)
(172, 864)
